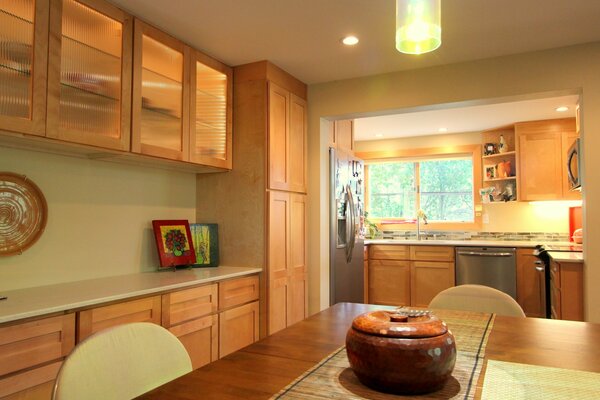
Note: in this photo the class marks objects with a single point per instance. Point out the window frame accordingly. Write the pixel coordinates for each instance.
(472, 151)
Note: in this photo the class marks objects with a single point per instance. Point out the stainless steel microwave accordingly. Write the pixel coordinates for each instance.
(574, 165)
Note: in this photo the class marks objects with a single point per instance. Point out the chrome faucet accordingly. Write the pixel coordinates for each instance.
(420, 214)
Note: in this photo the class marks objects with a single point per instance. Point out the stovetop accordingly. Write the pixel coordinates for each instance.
(574, 247)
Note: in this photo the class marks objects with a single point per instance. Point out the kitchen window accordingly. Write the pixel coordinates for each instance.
(442, 187)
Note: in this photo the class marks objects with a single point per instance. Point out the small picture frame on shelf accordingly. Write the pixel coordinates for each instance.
(206, 244)
(490, 172)
(489, 149)
(174, 243)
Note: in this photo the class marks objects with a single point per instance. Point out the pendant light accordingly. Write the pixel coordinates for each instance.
(418, 26)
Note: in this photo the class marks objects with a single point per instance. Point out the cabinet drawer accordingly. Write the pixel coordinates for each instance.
(238, 327)
(431, 253)
(200, 338)
(238, 291)
(33, 383)
(96, 319)
(28, 344)
(188, 304)
(388, 252)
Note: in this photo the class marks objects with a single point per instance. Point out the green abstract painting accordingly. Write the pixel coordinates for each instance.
(205, 238)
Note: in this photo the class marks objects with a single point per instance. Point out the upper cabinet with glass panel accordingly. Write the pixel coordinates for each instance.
(160, 94)
(89, 75)
(210, 112)
(82, 71)
(23, 64)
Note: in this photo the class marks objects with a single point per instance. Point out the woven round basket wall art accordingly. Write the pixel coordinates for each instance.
(23, 213)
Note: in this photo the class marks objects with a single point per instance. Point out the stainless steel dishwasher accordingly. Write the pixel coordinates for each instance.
(489, 266)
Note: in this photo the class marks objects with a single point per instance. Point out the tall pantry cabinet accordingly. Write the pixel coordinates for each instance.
(267, 190)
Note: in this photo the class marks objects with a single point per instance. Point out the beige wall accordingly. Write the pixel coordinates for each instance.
(500, 217)
(552, 72)
(99, 217)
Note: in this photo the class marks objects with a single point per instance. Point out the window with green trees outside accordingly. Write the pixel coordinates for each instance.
(442, 188)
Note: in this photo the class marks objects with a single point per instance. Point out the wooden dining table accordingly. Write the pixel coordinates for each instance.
(266, 367)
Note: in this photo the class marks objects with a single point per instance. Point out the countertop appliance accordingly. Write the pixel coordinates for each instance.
(489, 266)
(574, 165)
(543, 265)
(346, 236)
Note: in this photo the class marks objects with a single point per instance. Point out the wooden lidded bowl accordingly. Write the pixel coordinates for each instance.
(404, 352)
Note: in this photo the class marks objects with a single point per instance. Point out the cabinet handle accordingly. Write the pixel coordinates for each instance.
(540, 269)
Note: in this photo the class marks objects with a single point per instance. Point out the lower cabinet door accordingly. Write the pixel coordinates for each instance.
(200, 338)
(389, 282)
(428, 278)
(96, 319)
(238, 327)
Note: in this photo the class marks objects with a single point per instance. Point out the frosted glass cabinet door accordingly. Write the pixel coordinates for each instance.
(160, 112)
(89, 75)
(210, 111)
(23, 64)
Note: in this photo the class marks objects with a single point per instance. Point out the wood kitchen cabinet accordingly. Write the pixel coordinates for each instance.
(542, 159)
(211, 94)
(287, 140)
(530, 283)
(409, 275)
(90, 321)
(566, 290)
(239, 322)
(89, 74)
(160, 111)
(343, 135)
(190, 315)
(269, 120)
(23, 65)
(431, 271)
(389, 282)
(287, 268)
(31, 354)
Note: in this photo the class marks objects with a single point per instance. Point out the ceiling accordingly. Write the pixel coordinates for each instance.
(461, 119)
(303, 36)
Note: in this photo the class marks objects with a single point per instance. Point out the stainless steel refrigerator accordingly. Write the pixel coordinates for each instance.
(346, 234)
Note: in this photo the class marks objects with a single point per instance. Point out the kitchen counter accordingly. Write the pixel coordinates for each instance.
(32, 302)
(468, 243)
(562, 256)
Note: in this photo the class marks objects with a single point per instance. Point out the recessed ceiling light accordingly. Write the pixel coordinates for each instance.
(350, 40)
(562, 109)
(379, 135)
(443, 130)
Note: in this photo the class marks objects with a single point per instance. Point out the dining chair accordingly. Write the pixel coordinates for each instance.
(477, 298)
(121, 363)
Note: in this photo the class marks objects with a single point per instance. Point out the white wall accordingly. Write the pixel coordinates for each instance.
(99, 217)
(561, 71)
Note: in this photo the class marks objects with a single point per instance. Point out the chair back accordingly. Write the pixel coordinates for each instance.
(122, 362)
(477, 298)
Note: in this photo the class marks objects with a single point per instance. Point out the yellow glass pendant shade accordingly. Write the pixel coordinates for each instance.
(418, 26)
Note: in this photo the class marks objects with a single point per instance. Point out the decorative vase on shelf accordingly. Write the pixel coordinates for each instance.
(502, 147)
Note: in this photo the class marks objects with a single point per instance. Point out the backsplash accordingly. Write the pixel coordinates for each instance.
(468, 235)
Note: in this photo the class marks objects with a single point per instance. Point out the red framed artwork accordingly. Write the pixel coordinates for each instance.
(174, 243)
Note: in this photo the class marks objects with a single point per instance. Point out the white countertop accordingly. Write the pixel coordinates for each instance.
(468, 243)
(566, 256)
(31, 302)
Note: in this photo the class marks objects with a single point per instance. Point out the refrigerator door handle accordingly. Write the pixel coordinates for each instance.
(350, 219)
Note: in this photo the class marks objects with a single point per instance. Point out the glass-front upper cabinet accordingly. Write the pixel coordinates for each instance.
(89, 74)
(160, 125)
(23, 63)
(210, 111)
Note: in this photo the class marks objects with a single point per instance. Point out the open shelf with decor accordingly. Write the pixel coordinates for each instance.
(499, 163)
